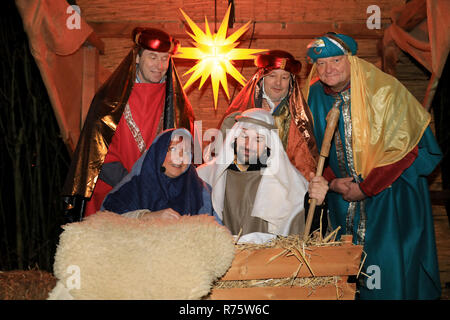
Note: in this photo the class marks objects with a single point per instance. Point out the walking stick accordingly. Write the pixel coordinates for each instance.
(332, 120)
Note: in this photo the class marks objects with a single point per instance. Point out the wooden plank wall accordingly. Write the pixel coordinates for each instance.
(287, 24)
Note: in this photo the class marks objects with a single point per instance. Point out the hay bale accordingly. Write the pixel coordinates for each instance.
(26, 284)
(125, 258)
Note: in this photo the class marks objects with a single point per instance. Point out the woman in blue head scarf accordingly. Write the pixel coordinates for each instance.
(163, 181)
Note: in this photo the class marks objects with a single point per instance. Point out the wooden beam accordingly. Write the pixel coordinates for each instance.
(339, 291)
(95, 41)
(263, 30)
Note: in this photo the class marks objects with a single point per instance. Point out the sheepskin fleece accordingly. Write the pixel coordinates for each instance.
(126, 258)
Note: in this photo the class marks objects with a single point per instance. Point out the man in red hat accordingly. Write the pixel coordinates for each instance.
(276, 87)
(143, 97)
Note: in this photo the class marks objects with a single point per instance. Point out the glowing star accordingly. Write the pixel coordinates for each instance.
(214, 53)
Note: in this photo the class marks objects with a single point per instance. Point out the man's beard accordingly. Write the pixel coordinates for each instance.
(252, 157)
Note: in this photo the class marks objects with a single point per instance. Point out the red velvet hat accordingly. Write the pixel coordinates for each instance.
(155, 40)
(278, 59)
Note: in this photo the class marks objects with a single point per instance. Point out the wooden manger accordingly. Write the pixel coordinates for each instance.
(293, 272)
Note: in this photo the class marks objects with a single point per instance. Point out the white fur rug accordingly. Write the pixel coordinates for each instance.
(108, 256)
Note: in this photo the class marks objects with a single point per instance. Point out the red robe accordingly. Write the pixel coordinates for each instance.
(146, 104)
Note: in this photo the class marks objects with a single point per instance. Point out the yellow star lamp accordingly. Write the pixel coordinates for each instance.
(214, 54)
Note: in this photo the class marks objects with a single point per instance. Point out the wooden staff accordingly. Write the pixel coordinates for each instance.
(332, 120)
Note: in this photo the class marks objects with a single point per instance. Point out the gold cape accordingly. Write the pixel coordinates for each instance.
(387, 120)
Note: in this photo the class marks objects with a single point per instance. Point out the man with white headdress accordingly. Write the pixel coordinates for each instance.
(255, 188)
(275, 87)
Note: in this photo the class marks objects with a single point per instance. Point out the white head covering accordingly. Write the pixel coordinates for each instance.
(282, 188)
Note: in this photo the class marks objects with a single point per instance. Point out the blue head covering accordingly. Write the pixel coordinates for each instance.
(147, 187)
(330, 45)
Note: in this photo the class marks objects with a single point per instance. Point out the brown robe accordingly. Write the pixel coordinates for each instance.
(240, 194)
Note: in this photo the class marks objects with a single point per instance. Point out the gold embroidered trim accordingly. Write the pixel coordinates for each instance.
(134, 129)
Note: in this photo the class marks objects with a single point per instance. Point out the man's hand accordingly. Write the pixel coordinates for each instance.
(318, 188)
(165, 214)
(341, 185)
(354, 193)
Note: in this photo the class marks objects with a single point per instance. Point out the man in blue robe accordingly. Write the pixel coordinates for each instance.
(380, 156)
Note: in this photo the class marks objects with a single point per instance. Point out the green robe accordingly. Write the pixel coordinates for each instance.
(399, 232)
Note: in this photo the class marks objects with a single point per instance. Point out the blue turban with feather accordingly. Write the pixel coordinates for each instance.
(330, 45)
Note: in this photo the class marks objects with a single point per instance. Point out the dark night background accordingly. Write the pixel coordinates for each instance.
(34, 159)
